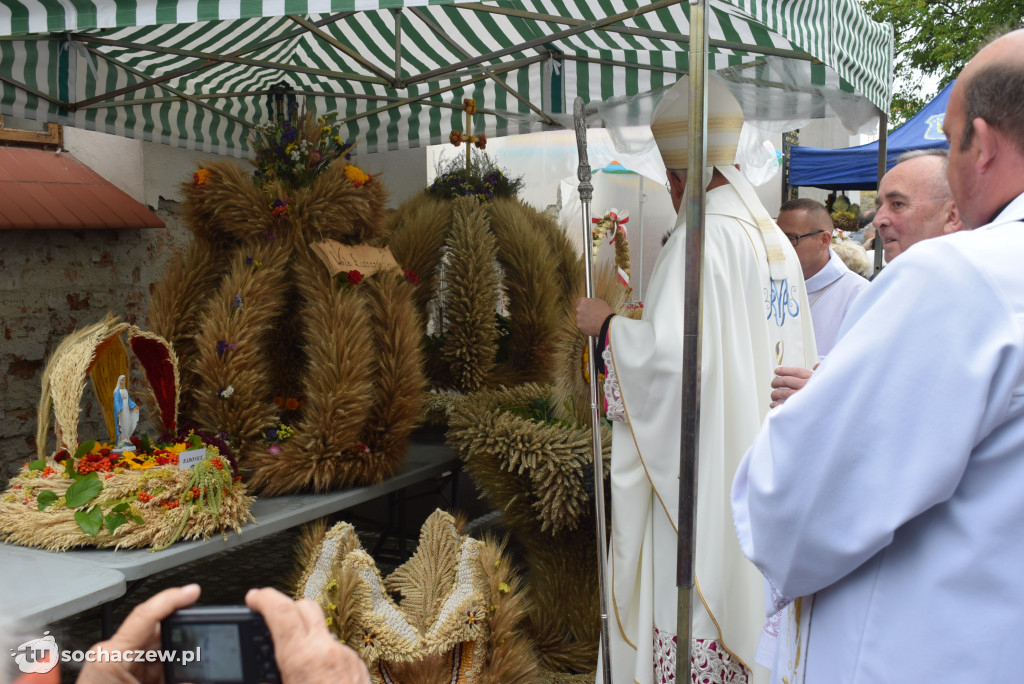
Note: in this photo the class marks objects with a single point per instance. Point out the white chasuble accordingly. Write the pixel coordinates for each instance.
(755, 317)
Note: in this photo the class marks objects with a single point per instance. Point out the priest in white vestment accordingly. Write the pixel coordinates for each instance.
(755, 317)
(898, 549)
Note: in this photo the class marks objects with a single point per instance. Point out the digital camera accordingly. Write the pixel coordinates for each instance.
(218, 645)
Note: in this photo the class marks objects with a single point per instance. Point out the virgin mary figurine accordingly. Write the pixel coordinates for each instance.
(126, 416)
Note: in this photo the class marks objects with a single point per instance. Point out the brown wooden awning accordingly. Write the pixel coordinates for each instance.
(40, 189)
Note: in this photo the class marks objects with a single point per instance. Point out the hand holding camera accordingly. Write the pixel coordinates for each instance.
(303, 648)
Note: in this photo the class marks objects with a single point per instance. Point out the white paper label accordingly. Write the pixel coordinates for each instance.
(187, 459)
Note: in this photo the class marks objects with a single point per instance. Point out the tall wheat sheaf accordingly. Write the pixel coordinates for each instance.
(250, 307)
(476, 257)
(499, 252)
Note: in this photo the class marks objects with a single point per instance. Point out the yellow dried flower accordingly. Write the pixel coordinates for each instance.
(356, 176)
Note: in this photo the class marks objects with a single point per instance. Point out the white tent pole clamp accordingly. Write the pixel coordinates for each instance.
(586, 189)
(692, 317)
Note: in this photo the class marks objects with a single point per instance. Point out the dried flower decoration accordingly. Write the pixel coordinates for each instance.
(484, 180)
(469, 106)
(295, 151)
(201, 177)
(481, 141)
(224, 346)
(411, 276)
(236, 303)
(354, 277)
(356, 176)
(455, 138)
(226, 392)
(279, 208)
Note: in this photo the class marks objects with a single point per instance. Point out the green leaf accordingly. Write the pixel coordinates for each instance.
(84, 448)
(90, 521)
(38, 464)
(195, 441)
(145, 446)
(120, 508)
(83, 491)
(46, 499)
(137, 519)
(114, 520)
(69, 468)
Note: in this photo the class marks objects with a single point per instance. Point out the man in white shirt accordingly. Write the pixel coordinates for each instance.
(831, 286)
(897, 549)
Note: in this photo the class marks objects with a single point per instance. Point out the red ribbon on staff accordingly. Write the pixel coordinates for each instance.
(617, 219)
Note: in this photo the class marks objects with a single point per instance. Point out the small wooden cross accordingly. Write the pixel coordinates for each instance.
(457, 138)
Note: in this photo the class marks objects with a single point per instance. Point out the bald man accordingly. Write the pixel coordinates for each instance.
(896, 549)
(914, 202)
(831, 286)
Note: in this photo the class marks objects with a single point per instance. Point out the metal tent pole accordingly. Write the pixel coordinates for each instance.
(692, 316)
(883, 153)
(639, 289)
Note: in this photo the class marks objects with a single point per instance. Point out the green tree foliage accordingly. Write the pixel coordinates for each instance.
(937, 39)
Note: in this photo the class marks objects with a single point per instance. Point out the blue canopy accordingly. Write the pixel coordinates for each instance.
(856, 168)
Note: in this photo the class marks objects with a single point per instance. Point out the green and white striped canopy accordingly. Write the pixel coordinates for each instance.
(201, 73)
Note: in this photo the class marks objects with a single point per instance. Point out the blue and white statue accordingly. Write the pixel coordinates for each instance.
(126, 416)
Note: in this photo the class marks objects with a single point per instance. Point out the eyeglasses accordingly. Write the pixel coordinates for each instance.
(796, 238)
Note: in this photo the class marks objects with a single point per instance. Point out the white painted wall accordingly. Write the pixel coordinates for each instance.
(149, 172)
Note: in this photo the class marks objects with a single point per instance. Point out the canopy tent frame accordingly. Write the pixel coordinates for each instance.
(384, 79)
(561, 34)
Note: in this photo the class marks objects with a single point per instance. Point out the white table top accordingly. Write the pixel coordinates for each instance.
(40, 587)
(81, 579)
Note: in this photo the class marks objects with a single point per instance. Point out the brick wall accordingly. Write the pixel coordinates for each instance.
(52, 281)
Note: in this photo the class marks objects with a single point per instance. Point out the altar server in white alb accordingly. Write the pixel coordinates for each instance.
(905, 539)
(831, 286)
(755, 317)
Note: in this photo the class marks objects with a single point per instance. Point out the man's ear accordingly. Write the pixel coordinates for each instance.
(826, 237)
(983, 146)
(952, 222)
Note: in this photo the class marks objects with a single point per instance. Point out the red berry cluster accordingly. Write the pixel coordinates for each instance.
(145, 497)
(87, 465)
(168, 505)
(167, 458)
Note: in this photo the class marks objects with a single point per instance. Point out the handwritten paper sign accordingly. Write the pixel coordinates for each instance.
(187, 459)
(363, 258)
